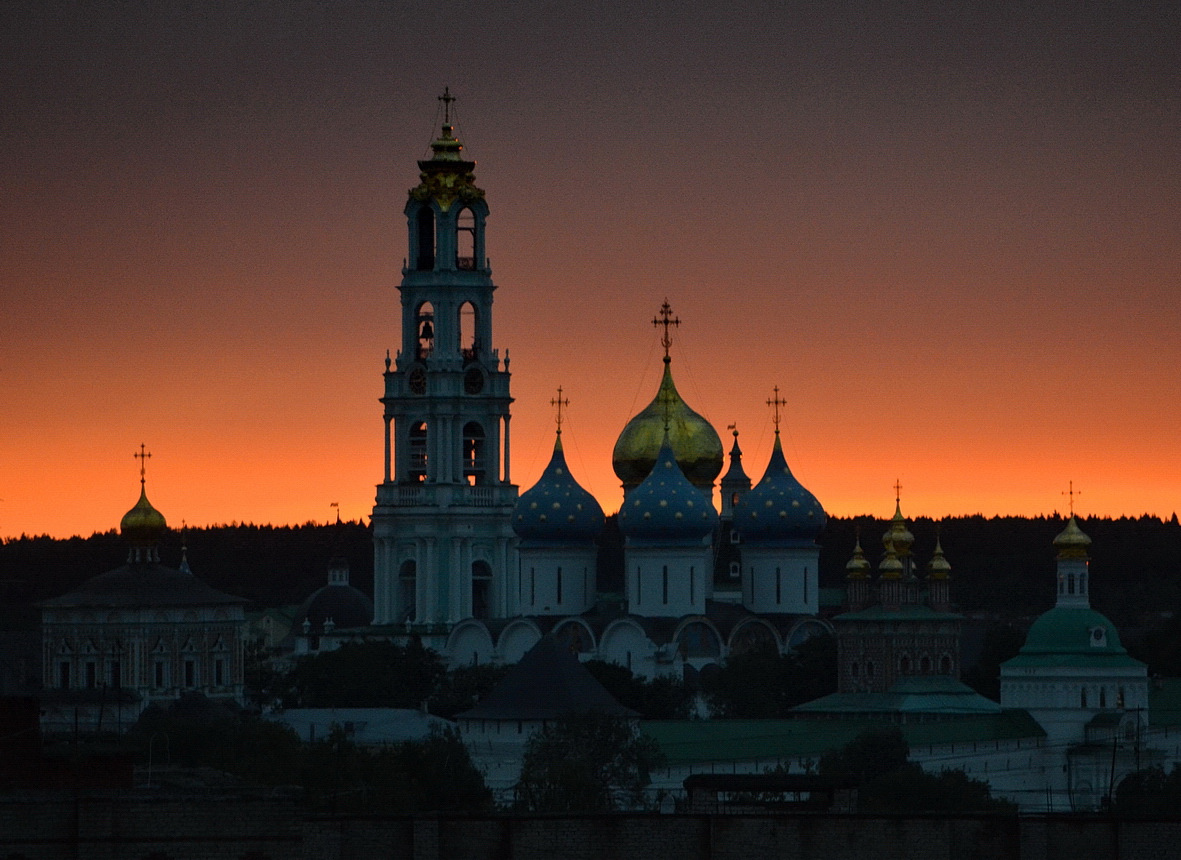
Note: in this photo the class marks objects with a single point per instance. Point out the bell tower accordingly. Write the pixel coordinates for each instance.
(441, 524)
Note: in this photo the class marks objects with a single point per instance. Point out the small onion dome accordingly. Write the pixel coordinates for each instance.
(665, 506)
(143, 525)
(696, 444)
(890, 567)
(898, 534)
(779, 508)
(340, 603)
(557, 508)
(858, 565)
(938, 567)
(1071, 541)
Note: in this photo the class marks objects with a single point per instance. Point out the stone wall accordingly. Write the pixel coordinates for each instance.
(137, 826)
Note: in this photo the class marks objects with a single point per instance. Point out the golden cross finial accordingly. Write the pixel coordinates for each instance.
(897, 491)
(559, 402)
(1072, 492)
(446, 99)
(775, 402)
(666, 319)
(142, 456)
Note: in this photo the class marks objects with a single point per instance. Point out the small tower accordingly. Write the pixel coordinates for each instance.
(727, 545)
(735, 482)
(857, 579)
(939, 579)
(779, 521)
(1073, 566)
(441, 526)
(557, 522)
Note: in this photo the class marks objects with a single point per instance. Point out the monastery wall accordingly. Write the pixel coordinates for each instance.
(133, 826)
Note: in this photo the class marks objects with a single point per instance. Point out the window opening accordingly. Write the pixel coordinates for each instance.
(418, 452)
(190, 673)
(665, 585)
(467, 332)
(63, 675)
(473, 453)
(425, 331)
(408, 585)
(481, 589)
(559, 586)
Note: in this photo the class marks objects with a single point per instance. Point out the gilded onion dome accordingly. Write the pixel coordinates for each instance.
(143, 525)
(779, 508)
(557, 508)
(938, 567)
(666, 507)
(1071, 541)
(858, 566)
(696, 444)
(898, 534)
(890, 567)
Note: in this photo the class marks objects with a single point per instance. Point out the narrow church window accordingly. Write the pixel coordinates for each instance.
(1070, 584)
(465, 240)
(735, 571)
(159, 674)
(190, 673)
(666, 584)
(778, 586)
(944, 665)
(1083, 698)
(473, 453)
(925, 665)
(418, 452)
(426, 239)
(219, 670)
(692, 586)
(869, 669)
(116, 673)
(91, 675)
(408, 588)
(639, 589)
(63, 674)
(559, 586)
(1119, 699)
(1103, 697)
(532, 586)
(904, 666)
(481, 589)
(805, 585)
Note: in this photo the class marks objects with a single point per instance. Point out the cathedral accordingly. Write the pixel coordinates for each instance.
(479, 571)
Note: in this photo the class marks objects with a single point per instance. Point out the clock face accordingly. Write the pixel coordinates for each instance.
(473, 381)
(418, 381)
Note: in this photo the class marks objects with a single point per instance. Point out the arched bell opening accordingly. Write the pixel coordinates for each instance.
(425, 221)
(467, 327)
(474, 471)
(465, 240)
(424, 331)
(418, 452)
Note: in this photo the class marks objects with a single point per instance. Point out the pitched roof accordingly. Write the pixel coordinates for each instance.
(926, 694)
(142, 585)
(547, 683)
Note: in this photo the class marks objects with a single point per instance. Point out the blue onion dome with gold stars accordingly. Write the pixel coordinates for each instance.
(695, 443)
(557, 509)
(779, 508)
(666, 507)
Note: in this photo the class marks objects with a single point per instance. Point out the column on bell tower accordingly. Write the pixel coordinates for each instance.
(446, 414)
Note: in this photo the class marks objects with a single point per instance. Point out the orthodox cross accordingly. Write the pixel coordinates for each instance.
(446, 99)
(666, 319)
(775, 402)
(897, 491)
(559, 402)
(1072, 492)
(142, 456)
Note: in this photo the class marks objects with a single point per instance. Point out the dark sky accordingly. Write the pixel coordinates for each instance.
(949, 234)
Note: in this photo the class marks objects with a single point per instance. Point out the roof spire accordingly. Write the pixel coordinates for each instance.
(666, 319)
(1072, 492)
(184, 548)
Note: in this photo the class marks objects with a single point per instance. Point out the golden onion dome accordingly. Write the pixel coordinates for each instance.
(143, 525)
(938, 567)
(898, 534)
(1071, 541)
(890, 567)
(695, 444)
(858, 566)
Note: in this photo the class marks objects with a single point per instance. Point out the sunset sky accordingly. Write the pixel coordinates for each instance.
(950, 235)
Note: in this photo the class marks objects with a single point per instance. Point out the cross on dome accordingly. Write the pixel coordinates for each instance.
(1072, 492)
(142, 455)
(666, 319)
(559, 402)
(897, 491)
(446, 99)
(775, 402)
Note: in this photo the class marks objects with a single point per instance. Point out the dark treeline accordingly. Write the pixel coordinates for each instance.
(1001, 566)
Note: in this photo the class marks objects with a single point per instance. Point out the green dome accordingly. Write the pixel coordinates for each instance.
(1072, 630)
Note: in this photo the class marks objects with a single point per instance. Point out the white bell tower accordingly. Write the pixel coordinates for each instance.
(441, 525)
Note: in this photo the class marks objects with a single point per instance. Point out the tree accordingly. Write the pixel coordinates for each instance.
(889, 782)
(586, 763)
(1149, 791)
(365, 675)
(662, 698)
(763, 684)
